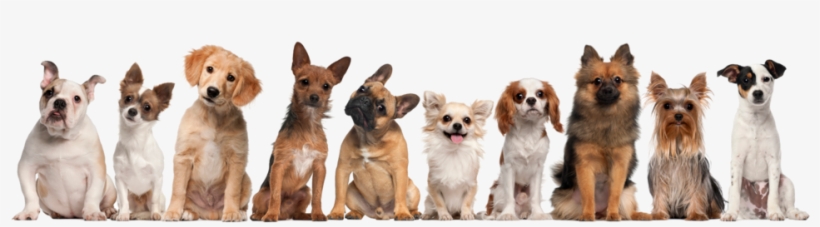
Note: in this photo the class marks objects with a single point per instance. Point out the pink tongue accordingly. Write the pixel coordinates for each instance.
(456, 138)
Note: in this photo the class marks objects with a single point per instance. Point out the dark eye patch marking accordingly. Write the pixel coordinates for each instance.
(745, 80)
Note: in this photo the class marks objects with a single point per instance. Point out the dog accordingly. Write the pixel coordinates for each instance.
(138, 160)
(375, 152)
(679, 177)
(212, 143)
(599, 155)
(453, 148)
(300, 149)
(62, 169)
(523, 109)
(758, 190)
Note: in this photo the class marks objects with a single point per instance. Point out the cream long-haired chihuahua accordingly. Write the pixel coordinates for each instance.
(453, 153)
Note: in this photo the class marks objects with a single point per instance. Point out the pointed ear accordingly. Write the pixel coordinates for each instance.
(699, 88)
(133, 76)
(300, 57)
(433, 101)
(164, 92)
(590, 55)
(247, 87)
(195, 62)
(50, 74)
(91, 84)
(730, 71)
(623, 55)
(482, 110)
(552, 107)
(657, 86)
(339, 68)
(405, 103)
(505, 109)
(381, 75)
(776, 69)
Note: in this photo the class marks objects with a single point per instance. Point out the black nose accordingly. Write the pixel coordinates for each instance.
(607, 90)
(531, 101)
(314, 98)
(758, 94)
(678, 117)
(213, 92)
(59, 104)
(457, 126)
(132, 112)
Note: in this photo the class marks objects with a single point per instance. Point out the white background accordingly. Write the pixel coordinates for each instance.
(467, 50)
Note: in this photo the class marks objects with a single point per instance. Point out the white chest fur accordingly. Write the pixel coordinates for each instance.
(303, 159)
(210, 164)
(454, 166)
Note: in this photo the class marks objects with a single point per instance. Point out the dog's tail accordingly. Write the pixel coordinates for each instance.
(558, 173)
(717, 194)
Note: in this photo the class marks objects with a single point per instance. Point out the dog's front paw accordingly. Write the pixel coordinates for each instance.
(270, 218)
(539, 216)
(798, 215)
(318, 216)
(697, 217)
(507, 217)
(232, 216)
(660, 216)
(171, 216)
(354, 215)
(94, 216)
(416, 214)
(587, 217)
(156, 216)
(405, 216)
(728, 217)
(336, 216)
(612, 216)
(445, 217)
(467, 215)
(109, 211)
(430, 216)
(776, 216)
(28, 214)
(122, 216)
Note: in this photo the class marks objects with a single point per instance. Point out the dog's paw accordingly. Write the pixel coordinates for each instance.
(798, 215)
(405, 216)
(431, 216)
(156, 216)
(445, 217)
(416, 214)
(524, 215)
(336, 216)
(270, 218)
(232, 216)
(697, 217)
(318, 217)
(660, 216)
(728, 217)
(257, 216)
(353, 215)
(776, 216)
(540, 216)
(109, 211)
(27, 215)
(122, 216)
(171, 216)
(507, 217)
(94, 216)
(587, 217)
(188, 216)
(467, 216)
(613, 217)
(641, 216)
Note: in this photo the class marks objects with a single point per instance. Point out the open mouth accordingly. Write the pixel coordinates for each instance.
(455, 137)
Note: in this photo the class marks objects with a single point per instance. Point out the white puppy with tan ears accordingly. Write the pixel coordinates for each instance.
(452, 145)
(62, 169)
(138, 160)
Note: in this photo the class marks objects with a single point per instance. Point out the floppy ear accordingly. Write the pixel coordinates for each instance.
(49, 74)
(405, 103)
(504, 110)
(623, 55)
(247, 87)
(381, 75)
(657, 86)
(195, 61)
(776, 69)
(133, 76)
(339, 68)
(730, 72)
(699, 88)
(590, 55)
(552, 107)
(90, 84)
(300, 57)
(482, 110)
(164, 92)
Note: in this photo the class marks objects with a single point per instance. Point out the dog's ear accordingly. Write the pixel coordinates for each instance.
(433, 101)
(381, 75)
(300, 57)
(164, 92)
(405, 103)
(49, 74)
(505, 109)
(776, 69)
(623, 55)
(481, 111)
(91, 84)
(195, 62)
(247, 85)
(699, 88)
(730, 71)
(590, 55)
(339, 68)
(133, 76)
(552, 107)
(657, 86)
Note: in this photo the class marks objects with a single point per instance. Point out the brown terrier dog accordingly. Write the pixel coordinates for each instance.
(376, 153)
(300, 149)
(679, 178)
(212, 143)
(599, 156)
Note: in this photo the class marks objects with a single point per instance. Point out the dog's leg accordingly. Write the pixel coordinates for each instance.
(400, 185)
(301, 204)
(27, 173)
(359, 207)
(467, 204)
(124, 213)
(413, 197)
(589, 159)
(245, 196)
(94, 194)
(535, 197)
(319, 171)
(236, 161)
(157, 199)
(342, 181)
(773, 161)
(787, 200)
(660, 204)
(438, 202)
(260, 203)
(506, 185)
(277, 174)
(183, 165)
(617, 178)
(696, 211)
(736, 166)
(430, 212)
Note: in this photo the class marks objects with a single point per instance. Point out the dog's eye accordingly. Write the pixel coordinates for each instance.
(231, 78)
(381, 108)
(766, 79)
(446, 118)
(305, 82)
(598, 81)
(745, 80)
(49, 93)
(210, 69)
(519, 96)
(689, 106)
(617, 80)
(467, 120)
(76, 98)
(539, 94)
(667, 106)
(326, 86)
(147, 107)
(362, 89)
(128, 99)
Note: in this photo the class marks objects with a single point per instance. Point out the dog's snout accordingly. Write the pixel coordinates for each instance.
(213, 92)
(457, 127)
(757, 94)
(132, 112)
(59, 104)
(531, 101)
(314, 98)
(607, 90)
(678, 117)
